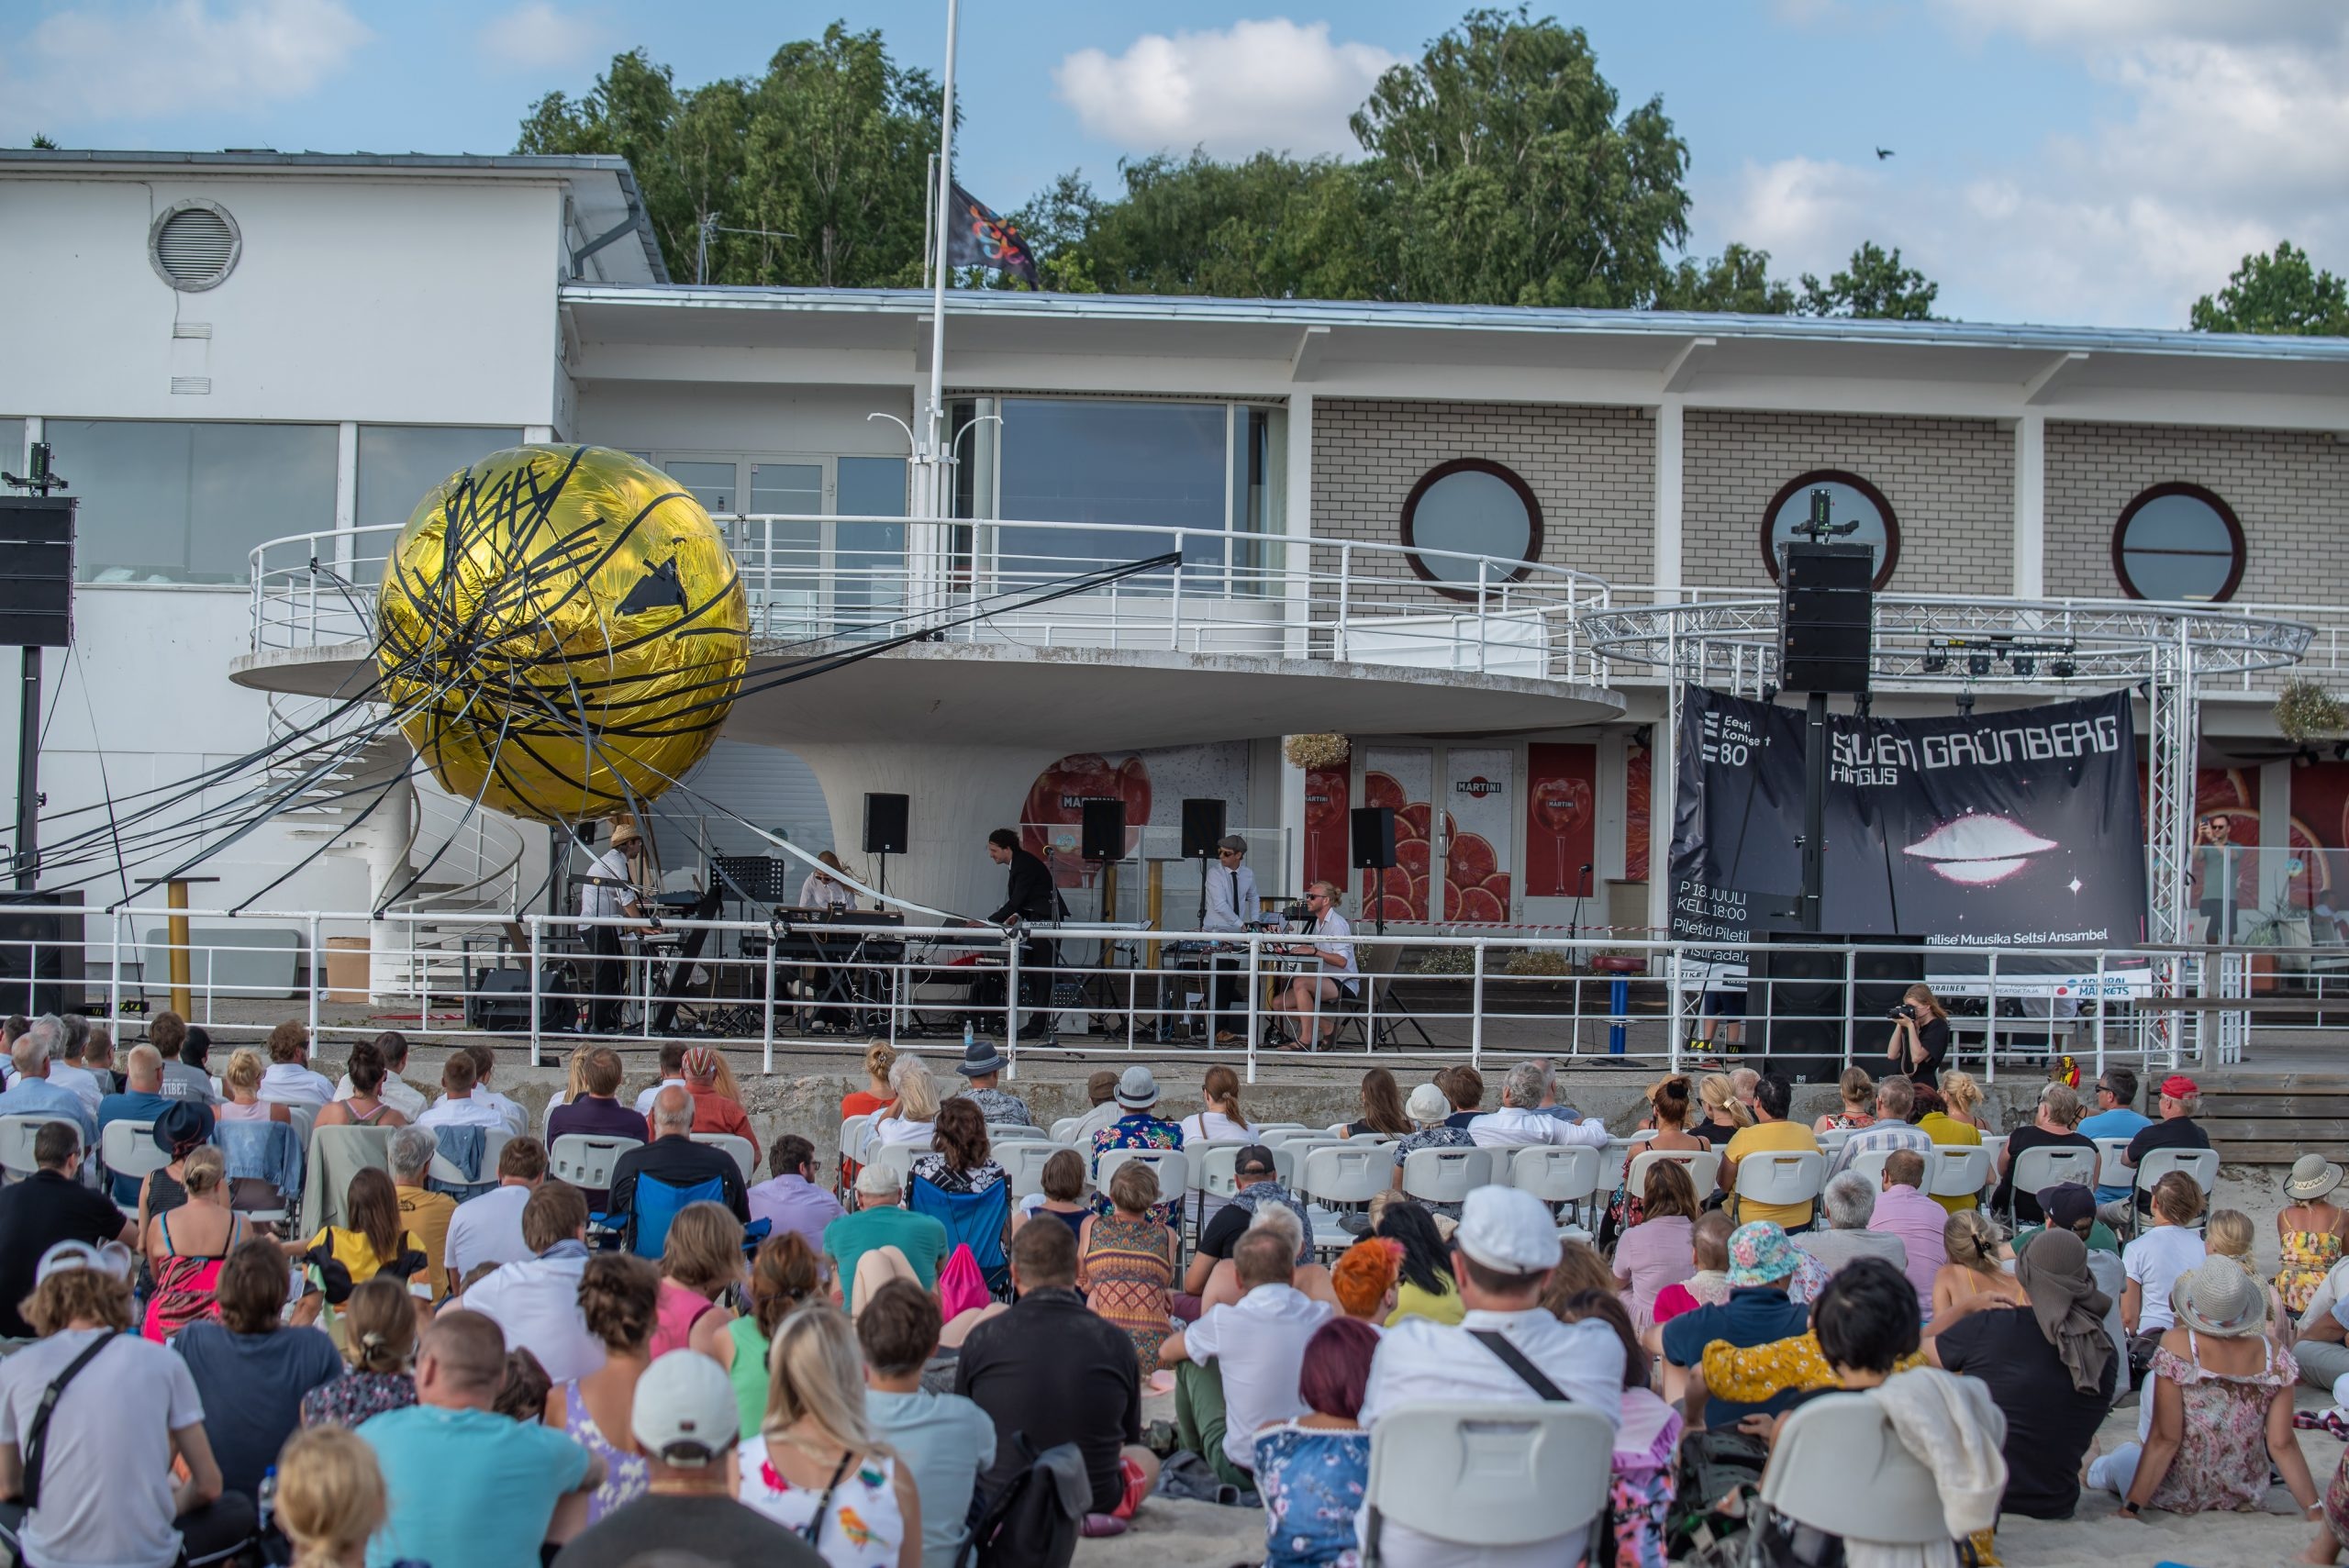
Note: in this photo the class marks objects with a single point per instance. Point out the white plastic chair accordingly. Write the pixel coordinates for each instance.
(1023, 1165)
(1703, 1165)
(586, 1160)
(1274, 1137)
(2202, 1164)
(1617, 1157)
(1347, 1176)
(1791, 1177)
(1957, 1170)
(1870, 1163)
(16, 1135)
(1265, 1128)
(2110, 1171)
(128, 1149)
(897, 1158)
(1174, 1168)
(1838, 1467)
(1832, 1142)
(745, 1152)
(1555, 1176)
(1217, 1162)
(2035, 1170)
(1477, 1474)
(1018, 1133)
(1446, 1174)
(1063, 1130)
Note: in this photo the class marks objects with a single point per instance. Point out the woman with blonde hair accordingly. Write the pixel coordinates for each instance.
(1725, 1115)
(186, 1248)
(2228, 1233)
(379, 1343)
(815, 1465)
(331, 1497)
(701, 1260)
(914, 1116)
(1964, 1098)
(818, 890)
(718, 1100)
(1857, 1091)
(241, 1082)
(575, 1088)
(880, 1059)
(1972, 1244)
(1920, 1035)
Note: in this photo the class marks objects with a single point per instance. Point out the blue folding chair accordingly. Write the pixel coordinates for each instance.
(656, 1207)
(977, 1220)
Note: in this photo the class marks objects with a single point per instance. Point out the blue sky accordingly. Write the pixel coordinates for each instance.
(2090, 162)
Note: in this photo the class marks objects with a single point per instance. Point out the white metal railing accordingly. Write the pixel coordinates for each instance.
(1231, 593)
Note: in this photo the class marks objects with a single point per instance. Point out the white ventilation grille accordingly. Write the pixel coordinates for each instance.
(193, 246)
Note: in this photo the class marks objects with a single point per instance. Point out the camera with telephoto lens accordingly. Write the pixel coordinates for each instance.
(1901, 1010)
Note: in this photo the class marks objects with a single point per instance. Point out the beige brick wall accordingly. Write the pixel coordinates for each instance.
(2289, 489)
(1951, 483)
(1592, 470)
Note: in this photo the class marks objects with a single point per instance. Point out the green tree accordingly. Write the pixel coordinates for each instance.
(1738, 281)
(1873, 286)
(2282, 294)
(42, 140)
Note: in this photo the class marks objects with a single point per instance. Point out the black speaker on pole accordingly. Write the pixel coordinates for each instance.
(1104, 833)
(887, 818)
(1202, 826)
(1826, 604)
(1374, 837)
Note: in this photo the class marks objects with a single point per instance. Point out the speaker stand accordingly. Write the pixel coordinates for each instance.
(881, 880)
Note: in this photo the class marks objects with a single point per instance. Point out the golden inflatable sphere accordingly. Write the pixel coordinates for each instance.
(560, 631)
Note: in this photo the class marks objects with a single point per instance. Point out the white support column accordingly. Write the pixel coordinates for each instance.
(2030, 507)
(346, 494)
(1665, 573)
(1296, 521)
(537, 434)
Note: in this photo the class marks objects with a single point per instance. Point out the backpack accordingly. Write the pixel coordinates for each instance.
(961, 1286)
(1037, 1519)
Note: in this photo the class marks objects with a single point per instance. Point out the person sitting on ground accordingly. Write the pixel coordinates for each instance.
(1902, 1209)
(1430, 1111)
(1126, 1261)
(2169, 1251)
(914, 1118)
(242, 1082)
(1220, 1118)
(1313, 1469)
(1137, 1126)
(167, 1032)
(959, 1162)
(945, 1440)
(2228, 1233)
(458, 1105)
(48, 1207)
(1707, 1282)
(718, 1100)
(790, 1199)
(330, 1498)
(1971, 1244)
(2050, 1367)
(983, 1065)
(2067, 1206)
(701, 1263)
(2221, 1397)
(881, 1222)
(818, 1467)
(1758, 1311)
(186, 1248)
(619, 1296)
(1896, 1097)
(1382, 1108)
(2055, 1125)
(1857, 1092)
(1866, 1334)
(488, 1227)
(2308, 1230)
(375, 1240)
(1654, 1253)
(1426, 1288)
(1519, 1121)
(674, 1160)
(1771, 1133)
(1726, 1116)
(1845, 1211)
(1797, 1367)
(468, 1487)
(1255, 1179)
(289, 1077)
(1236, 1368)
(379, 1331)
(784, 1276)
(252, 1372)
(116, 1434)
(1363, 1279)
(880, 1057)
(1062, 1179)
(141, 1101)
(535, 1303)
(1641, 1483)
(390, 1050)
(426, 1213)
(364, 1103)
(673, 1076)
(2176, 1129)
(1503, 1254)
(1101, 1097)
(1052, 1372)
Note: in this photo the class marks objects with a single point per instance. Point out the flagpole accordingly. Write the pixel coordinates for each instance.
(939, 495)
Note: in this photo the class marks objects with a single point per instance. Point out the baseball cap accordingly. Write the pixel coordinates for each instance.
(685, 1413)
(2178, 1086)
(109, 1257)
(1509, 1228)
(1254, 1160)
(2066, 1205)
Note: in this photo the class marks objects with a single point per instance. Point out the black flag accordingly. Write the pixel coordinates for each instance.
(976, 237)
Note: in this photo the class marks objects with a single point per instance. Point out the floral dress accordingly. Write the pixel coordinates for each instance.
(1641, 1479)
(2306, 1256)
(356, 1395)
(855, 1523)
(1132, 1132)
(2221, 1460)
(1127, 1270)
(624, 1477)
(1311, 1480)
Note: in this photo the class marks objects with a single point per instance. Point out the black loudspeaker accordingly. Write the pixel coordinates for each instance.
(501, 1002)
(1826, 604)
(36, 571)
(1202, 826)
(40, 952)
(1794, 1002)
(1374, 837)
(1104, 837)
(886, 817)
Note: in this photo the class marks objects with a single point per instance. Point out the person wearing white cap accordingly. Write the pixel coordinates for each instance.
(1429, 1112)
(686, 1426)
(1507, 1350)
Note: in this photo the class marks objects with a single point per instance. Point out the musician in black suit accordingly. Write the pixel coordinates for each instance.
(1030, 894)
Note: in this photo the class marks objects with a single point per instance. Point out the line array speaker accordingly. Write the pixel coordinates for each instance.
(1826, 606)
(36, 571)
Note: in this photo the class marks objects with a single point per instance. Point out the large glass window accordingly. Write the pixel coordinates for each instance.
(866, 567)
(1471, 509)
(400, 464)
(12, 447)
(1156, 464)
(1850, 499)
(186, 502)
(2178, 542)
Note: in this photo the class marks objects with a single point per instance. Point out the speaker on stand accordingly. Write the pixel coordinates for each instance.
(887, 818)
(1202, 836)
(1374, 847)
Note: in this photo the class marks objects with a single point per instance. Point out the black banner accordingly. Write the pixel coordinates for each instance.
(977, 238)
(2012, 829)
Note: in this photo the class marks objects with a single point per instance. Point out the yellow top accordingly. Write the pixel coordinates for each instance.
(1772, 1138)
(1410, 1301)
(1949, 1131)
(1757, 1373)
(350, 1249)
(426, 1214)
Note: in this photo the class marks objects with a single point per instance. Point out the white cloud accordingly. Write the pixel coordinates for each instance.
(1272, 84)
(99, 63)
(537, 34)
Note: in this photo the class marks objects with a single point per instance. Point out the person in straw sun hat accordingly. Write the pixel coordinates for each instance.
(2309, 1231)
(2222, 1395)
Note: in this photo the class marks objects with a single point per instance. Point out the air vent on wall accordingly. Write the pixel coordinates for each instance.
(193, 245)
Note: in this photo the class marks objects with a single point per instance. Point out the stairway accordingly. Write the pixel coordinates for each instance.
(2272, 1118)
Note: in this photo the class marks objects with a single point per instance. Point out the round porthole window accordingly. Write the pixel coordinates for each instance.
(2178, 542)
(1850, 499)
(1468, 522)
(193, 245)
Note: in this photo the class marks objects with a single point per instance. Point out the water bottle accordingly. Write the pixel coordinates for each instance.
(966, 1037)
(265, 1497)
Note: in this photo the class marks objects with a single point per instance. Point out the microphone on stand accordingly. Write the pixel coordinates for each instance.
(1582, 884)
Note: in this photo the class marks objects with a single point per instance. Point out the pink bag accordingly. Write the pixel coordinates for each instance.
(961, 1286)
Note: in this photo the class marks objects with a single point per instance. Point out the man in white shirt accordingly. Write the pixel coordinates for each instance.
(484, 1063)
(488, 1228)
(607, 892)
(66, 1072)
(1335, 972)
(1519, 1122)
(536, 1301)
(458, 1105)
(1232, 904)
(289, 1078)
(1503, 1254)
(395, 1091)
(672, 1074)
(1236, 1368)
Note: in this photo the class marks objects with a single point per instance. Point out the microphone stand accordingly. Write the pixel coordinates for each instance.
(1574, 926)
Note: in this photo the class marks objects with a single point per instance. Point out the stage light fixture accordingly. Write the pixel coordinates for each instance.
(1936, 659)
(2062, 669)
(2024, 664)
(1966, 704)
(1977, 664)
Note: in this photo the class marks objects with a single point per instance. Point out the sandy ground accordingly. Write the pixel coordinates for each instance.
(1201, 1535)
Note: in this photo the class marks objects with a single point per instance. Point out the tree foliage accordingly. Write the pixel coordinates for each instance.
(1875, 285)
(2282, 293)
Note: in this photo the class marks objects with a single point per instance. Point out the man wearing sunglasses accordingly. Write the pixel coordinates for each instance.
(2116, 1117)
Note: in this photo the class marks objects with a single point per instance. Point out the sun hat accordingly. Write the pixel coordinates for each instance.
(2178, 1086)
(979, 1059)
(1509, 1228)
(109, 1257)
(1137, 1090)
(1427, 1106)
(685, 1413)
(625, 833)
(1759, 1253)
(2313, 1176)
(2221, 1300)
(877, 1180)
(182, 1127)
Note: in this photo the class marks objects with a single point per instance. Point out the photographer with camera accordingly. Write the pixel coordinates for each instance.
(1920, 1035)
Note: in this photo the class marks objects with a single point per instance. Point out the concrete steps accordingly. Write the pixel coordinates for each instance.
(2272, 1118)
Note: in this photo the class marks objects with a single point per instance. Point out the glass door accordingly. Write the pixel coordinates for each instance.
(796, 549)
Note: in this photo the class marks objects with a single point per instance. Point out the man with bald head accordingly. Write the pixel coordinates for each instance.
(674, 1159)
(471, 1488)
(141, 1100)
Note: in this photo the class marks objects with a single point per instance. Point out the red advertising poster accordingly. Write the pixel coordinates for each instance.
(1561, 818)
(1402, 778)
(1638, 773)
(1054, 812)
(1327, 797)
(1478, 783)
